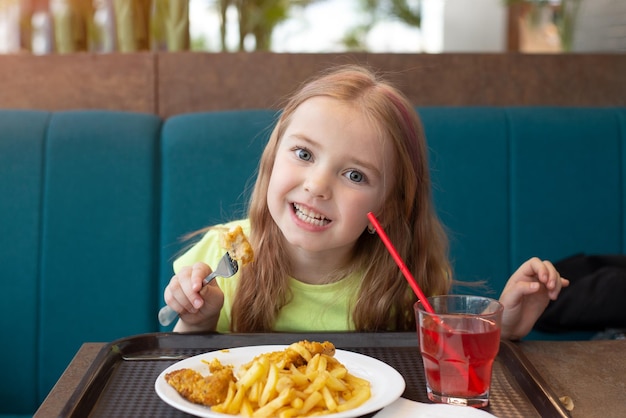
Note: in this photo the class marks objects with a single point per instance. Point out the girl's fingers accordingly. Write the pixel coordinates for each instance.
(542, 270)
(183, 292)
(521, 289)
(560, 284)
(198, 272)
(175, 297)
(547, 274)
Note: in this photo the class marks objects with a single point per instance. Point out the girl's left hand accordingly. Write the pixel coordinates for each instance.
(527, 294)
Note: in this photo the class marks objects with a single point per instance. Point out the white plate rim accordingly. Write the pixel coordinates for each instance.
(387, 384)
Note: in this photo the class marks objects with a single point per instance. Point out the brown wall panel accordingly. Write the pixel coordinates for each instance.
(78, 81)
(232, 80)
(196, 82)
(174, 83)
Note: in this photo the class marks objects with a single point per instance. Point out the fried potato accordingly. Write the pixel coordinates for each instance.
(302, 380)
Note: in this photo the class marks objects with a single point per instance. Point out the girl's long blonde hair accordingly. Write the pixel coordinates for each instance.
(384, 300)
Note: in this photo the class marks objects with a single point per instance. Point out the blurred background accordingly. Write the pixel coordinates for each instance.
(312, 26)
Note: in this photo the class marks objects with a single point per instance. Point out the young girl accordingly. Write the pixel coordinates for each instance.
(346, 143)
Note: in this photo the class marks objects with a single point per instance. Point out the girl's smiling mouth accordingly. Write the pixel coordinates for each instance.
(311, 217)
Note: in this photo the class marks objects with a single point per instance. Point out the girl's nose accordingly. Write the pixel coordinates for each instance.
(318, 184)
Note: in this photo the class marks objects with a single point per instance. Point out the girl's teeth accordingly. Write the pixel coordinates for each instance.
(310, 217)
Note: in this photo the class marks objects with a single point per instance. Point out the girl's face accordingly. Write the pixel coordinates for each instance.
(330, 170)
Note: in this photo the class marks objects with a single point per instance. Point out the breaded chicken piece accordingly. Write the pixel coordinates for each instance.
(236, 243)
(298, 354)
(204, 390)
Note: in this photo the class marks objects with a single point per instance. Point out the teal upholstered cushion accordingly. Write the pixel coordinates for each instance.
(100, 233)
(22, 135)
(621, 116)
(470, 178)
(512, 183)
(566, 172)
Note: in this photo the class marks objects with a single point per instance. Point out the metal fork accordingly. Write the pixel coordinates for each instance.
(227, 267)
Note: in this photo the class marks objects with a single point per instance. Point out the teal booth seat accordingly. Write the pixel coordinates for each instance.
(95, 204)
(80, 233)
(21, 178)
(512, 183)
(100, 231)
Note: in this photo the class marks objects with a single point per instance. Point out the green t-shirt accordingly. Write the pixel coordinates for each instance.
(323, 307)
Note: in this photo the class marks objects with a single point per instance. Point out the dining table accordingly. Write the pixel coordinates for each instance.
(530, 378)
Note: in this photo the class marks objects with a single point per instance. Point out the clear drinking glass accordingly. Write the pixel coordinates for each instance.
(459, 343)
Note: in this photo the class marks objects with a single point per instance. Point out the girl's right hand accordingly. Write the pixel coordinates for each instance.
(198, 307)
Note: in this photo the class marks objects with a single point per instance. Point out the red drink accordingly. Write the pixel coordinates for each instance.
(458, 351)
(465, 353)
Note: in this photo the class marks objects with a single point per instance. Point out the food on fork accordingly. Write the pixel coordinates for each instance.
(236, 243)
(302, 380)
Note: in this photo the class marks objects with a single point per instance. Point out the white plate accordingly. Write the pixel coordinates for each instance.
(386, 383)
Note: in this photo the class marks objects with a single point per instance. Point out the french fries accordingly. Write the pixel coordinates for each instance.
(269, 387)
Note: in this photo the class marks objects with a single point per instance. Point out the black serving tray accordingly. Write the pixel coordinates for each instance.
(120, 382)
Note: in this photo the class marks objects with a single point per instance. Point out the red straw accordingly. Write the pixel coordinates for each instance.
(409, 277)
(403, 268)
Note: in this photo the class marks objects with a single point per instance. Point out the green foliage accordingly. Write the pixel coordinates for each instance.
(258, 19)
(405, 11)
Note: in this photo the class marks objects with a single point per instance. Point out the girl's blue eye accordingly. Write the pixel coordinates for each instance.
(303, 154)
(355, 176)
